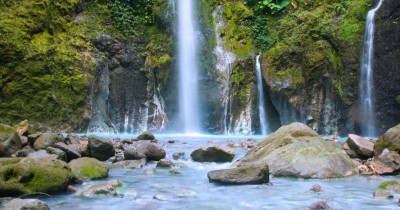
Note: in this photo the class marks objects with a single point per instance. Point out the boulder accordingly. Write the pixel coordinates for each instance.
(362, 147)
(129, 164)
(164, 163)
(10, 141)
(26, 204)
(47, 140)
(105, 188)
(32, 138)
(214, 153)
(44, 154)
(389, 140)
(386, 163)
(382, 194)
(88, 168)
(146, 136)
(22, 128)
(178, 155)
(319, 205)
(151, 150)
(72, 150)
(130, 154)
(100, 148)
(59, 153)
(296, 150)
(392, 185)
(242, 175)
(25, 176)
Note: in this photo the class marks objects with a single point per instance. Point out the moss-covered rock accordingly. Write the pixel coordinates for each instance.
(389, 140)
(88, 168)
(25, 176)
(392, 185)
(146, 136)
(296, 150)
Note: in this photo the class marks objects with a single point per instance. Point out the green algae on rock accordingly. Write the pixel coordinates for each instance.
(88, 168)
(26, 176)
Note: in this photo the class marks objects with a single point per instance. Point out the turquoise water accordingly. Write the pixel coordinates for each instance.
(191, 189)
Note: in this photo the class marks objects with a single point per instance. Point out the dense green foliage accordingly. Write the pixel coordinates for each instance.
(44, 61)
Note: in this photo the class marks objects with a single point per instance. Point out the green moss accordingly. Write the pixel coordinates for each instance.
(382, 144)
(24, 176)
(238, 34)
(389, 184)
(88, 168)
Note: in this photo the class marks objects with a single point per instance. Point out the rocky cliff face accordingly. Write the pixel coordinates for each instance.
(124, 98)
(312, 65)
(387, 65)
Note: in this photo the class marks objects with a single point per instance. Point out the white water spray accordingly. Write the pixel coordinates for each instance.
(366, 90)
(188, 75)
(261, 103)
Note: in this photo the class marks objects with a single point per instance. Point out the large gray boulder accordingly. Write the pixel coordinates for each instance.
(296, 150)
(362, 147)
(47, 140)
(242, 175)
(26, 176)
(214, 153)
(151, 150)
(71, 150)
(26, 204)
(10, 141)
(100, 148)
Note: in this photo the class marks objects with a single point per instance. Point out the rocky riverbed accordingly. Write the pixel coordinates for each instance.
(289, 169)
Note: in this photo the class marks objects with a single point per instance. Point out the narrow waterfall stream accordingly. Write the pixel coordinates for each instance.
(188, 75)
(261, 102)
(366, 90)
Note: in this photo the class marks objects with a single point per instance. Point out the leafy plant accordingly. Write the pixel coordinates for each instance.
(268, 6)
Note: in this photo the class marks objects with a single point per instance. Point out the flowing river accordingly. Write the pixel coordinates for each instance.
(191, 189)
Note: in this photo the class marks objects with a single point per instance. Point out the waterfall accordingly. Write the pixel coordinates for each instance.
(261, 102)
(366, 90)
(223, 66)
(188, 75)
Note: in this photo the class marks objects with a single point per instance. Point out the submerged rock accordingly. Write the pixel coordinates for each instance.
(390, 185)
(26, 204)
(316, 188)
(129, 164)
(242, 175)
(382, 194)
(319, 205)
(214, 153)
(105, 188)
(178, 155)
(88, 168)
(100, 148)
(24, 176)
(361, 146)
(296, 150)
(164, 163)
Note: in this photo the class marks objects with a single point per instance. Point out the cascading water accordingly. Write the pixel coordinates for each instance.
(366, 90)
(223, 66)
(188, 75)
(261, 102)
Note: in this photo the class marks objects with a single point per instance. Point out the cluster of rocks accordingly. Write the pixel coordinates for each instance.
(35, 162)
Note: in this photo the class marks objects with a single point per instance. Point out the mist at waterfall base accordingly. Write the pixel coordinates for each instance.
(191, 189)
(366, 86)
